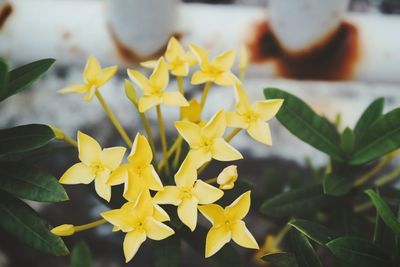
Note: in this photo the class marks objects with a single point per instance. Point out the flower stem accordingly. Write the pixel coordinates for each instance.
(60, 135)
(211, 180)
(178, 152)
(171, 150)
(149, 133)
(88, 226)
(70, 141)
(113, 119)
(206, 89)
(163, 137)
(390, 177)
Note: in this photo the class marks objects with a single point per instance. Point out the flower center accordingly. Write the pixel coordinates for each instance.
(250, 117)
(98, 168)
(206, 144)
(213, 71)
(186, 193)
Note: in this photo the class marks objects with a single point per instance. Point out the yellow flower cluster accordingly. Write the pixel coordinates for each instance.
(142, 216)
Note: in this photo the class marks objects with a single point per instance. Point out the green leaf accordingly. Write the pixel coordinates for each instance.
(314, 231)
(384, 211)
(307, 125)
(81, 256)
(337, 185)
(3, 74)
(30, 183)
(373, 112)
(304, 252)
(24, 138)
(281, 259)
(295, 202)
(354, 251)
(167, 252)
(24, 223)
(382, 137)
(347, 140)
(21, 77)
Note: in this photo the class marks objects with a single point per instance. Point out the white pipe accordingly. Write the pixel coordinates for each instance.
(71, 30)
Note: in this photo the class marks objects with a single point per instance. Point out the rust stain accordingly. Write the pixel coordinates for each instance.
(129, 56)
(333, 58)
(5, 12)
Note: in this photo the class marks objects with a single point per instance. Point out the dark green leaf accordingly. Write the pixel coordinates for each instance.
(30, 183)
(24, 138)
(307, 125)
(347, 140)
(314, 231)
(21, 77)
(281, 259)
(81, 256)
(304, 252)
(295, 202)
(335, 185)
(354, 251)
(24, 223)
(382, 137)
(3, 74)
(384, 211)
(167, 252)
(370, 115)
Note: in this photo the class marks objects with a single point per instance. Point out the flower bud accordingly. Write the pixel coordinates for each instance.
(227, 178)
(130, 92)
(64, 230)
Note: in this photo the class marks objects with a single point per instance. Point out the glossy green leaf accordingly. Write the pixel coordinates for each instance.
(281, 259)
(382, 137)
(384, 211)
(304, 251)
(25, 224)
(347, 141)
(337, 185)
(21, 77)
(167, 252)
(307, 125)
(314, 231)
(373, 112)
(80, 255)
(24, 138)
(30, 183)
(354, 251)
(295, 202)
(3, 74)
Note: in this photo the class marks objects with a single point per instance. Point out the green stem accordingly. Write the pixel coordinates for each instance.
(88, 226)
(163, 138)
(206, 89)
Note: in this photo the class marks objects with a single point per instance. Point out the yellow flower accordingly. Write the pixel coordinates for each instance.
(177, 59)
(94, 77)
(153, 88)
(138, 174)
(244, 58)
(269, 246)
(253, 117)
(227, 224)
(217, 70)
(96, 164)
(227, 178)
(64, 230)
(207, 142)
(138, 221)
(192, 112)
(188, 193)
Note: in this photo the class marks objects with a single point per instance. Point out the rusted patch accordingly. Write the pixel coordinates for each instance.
(333, 58)
(129, 56)
(5, 12)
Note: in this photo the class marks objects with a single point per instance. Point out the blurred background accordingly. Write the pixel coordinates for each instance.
(337, 55)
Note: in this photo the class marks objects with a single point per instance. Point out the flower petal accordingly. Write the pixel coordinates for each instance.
(180, 69)
(151, 178)
(174, 99)
(242, 99)
(226, 78)
(191, 132)
(217, 237)
(268, 108)
(89, 149)
(187, 212)
(223, 151)
(140, 80)
(79, 173)
(147, 102)
(235, 120)
(160, 214)
(119, 176)
(242, 236)
(105, 75)
(92, 69)
(205, 193)
(170, 195)
(239, 208)
(174, 50)
(216, 126)
(160, 76)
(187, 173)
(192, 112)
(74, 89)
(200, 54)
(112, 157)
(141, 153)
(198, 157)
(200, 77)
(144, 206)
(213, 213)
(150, 64)
(133, 187)
(101, 186)
(132, 242)
(121, 218)
(157, 230)
(260, 131)
(224, 61)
